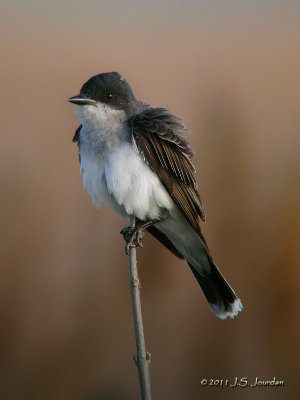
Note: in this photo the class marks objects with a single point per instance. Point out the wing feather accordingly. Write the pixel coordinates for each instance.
(76, 136)
(159, 138)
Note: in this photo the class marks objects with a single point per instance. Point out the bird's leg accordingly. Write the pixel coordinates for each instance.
(133, 236)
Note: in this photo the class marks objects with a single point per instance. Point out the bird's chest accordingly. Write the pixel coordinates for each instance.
(95, 147)
(117, 176)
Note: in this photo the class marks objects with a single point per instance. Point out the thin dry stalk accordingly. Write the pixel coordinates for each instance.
(142, 358)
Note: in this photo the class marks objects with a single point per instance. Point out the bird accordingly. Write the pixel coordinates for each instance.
(136, 159)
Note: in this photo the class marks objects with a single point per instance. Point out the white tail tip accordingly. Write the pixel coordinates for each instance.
(236, 307)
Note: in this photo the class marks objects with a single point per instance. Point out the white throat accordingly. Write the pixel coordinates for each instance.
(100, 117)
(102, 127)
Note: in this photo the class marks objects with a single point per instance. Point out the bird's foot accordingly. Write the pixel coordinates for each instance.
(132, 237)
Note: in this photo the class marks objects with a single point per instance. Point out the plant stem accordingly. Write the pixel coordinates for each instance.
(142, 359)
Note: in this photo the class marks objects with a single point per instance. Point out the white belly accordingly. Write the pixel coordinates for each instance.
(124, 181)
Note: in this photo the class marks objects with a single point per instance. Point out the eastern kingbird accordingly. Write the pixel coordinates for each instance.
(136, 159)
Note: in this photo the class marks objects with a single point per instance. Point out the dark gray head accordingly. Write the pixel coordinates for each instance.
(108, 88)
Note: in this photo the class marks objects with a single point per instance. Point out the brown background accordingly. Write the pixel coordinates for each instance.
(231, 70)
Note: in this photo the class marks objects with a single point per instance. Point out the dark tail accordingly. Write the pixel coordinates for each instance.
(221, 298)
(185, 243)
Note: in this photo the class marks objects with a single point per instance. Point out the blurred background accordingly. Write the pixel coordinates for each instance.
(231, 71)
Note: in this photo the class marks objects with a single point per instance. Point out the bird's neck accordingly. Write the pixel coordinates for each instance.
(102, 127)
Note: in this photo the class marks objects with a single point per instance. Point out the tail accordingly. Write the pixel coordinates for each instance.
(180, 238)
(220, 296)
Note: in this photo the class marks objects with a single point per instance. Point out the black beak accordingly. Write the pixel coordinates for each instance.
(82, 100)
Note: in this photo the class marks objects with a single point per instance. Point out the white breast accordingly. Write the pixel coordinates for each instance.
(134, 186)
(113, 171)
(94, 181)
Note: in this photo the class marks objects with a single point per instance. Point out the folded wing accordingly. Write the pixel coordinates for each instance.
(159, 138)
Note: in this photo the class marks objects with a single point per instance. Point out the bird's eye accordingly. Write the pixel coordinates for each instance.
(109, 95)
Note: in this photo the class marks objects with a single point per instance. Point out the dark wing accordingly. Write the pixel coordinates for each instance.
(159, 138)
(76, 136)
(162, 238)
(76, 139)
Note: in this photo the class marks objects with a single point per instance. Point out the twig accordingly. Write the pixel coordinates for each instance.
(142, 359)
